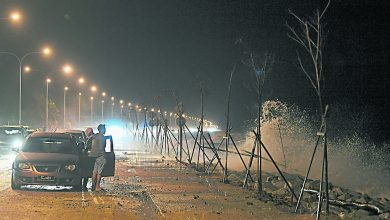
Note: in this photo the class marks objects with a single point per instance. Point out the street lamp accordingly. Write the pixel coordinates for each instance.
(27, 69)
(67, 69)
(65, 89)
(20, 60)
(121, 102)
(80, 108)
(14, 17)
(91, 109)
(102, 111)
(48, 80)
(112, 106)
(81, 81)
(103, 96)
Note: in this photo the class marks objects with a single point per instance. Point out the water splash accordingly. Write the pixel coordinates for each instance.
(355, 162)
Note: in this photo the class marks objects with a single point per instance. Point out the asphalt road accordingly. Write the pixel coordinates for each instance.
(146, 186)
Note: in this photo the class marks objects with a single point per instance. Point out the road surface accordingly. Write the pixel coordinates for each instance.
(146, 186)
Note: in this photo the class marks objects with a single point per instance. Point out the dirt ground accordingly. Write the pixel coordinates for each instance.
(146, 186)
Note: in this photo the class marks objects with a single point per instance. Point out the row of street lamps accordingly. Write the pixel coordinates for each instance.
(16, 17)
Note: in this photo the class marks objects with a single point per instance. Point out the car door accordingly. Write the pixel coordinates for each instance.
(87, 163)
(109, 168)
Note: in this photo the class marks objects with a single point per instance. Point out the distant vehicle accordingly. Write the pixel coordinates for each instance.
(12, 136)
(53, 158)
(78, 134)
(30, 131)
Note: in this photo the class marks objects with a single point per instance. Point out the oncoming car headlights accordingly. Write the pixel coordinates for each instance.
(17, 144)
(70, 167)
(24, 166)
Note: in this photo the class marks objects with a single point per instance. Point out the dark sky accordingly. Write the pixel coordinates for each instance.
(138, 50)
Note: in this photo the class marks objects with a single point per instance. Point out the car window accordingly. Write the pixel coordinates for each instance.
(78, 136)
(50, 145)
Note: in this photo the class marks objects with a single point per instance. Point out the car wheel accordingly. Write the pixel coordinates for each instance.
(13, 185)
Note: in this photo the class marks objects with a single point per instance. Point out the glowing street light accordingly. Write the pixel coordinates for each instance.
(46, 51)
(15, 16)
(67, 69)
(93, 88)
(48, 80)
(81, 80)
(27, 69)
(20, 60)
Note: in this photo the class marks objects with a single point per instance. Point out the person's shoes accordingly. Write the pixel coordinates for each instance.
(84, 188)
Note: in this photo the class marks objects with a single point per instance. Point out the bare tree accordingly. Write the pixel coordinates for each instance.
(260, 67)
(310, 36)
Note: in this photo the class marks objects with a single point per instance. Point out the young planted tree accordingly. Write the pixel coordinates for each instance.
(260, 67)
(309, 35)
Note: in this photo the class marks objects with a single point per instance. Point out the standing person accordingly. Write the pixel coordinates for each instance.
(98, 152)
(88, 143)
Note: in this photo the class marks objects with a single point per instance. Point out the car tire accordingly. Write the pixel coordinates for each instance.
(13, 185)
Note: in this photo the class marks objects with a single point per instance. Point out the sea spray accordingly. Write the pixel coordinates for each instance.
(355, 162)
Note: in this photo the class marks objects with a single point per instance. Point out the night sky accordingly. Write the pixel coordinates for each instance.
(140, 50)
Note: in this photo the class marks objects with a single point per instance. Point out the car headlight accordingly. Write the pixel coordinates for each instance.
(70, 167)
(24, 166)
(17, 143)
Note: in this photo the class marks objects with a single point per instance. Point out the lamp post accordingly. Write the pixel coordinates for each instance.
(65, 89)
(81, 81)
(102, 111)
(91, 109)
(103, 96)
(80, 109)
(112, 106)
(48, 81)
(129, 109)
(93, 90)
(121, 102)
(45, 51)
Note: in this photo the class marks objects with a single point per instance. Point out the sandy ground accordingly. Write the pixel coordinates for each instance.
(146, 186)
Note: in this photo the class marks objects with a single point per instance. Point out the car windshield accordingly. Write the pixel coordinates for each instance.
(50, 145)
(10, 131)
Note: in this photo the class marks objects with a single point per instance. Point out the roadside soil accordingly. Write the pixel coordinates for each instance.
(146, 186)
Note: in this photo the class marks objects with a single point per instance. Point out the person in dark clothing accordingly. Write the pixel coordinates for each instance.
(89, 133)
